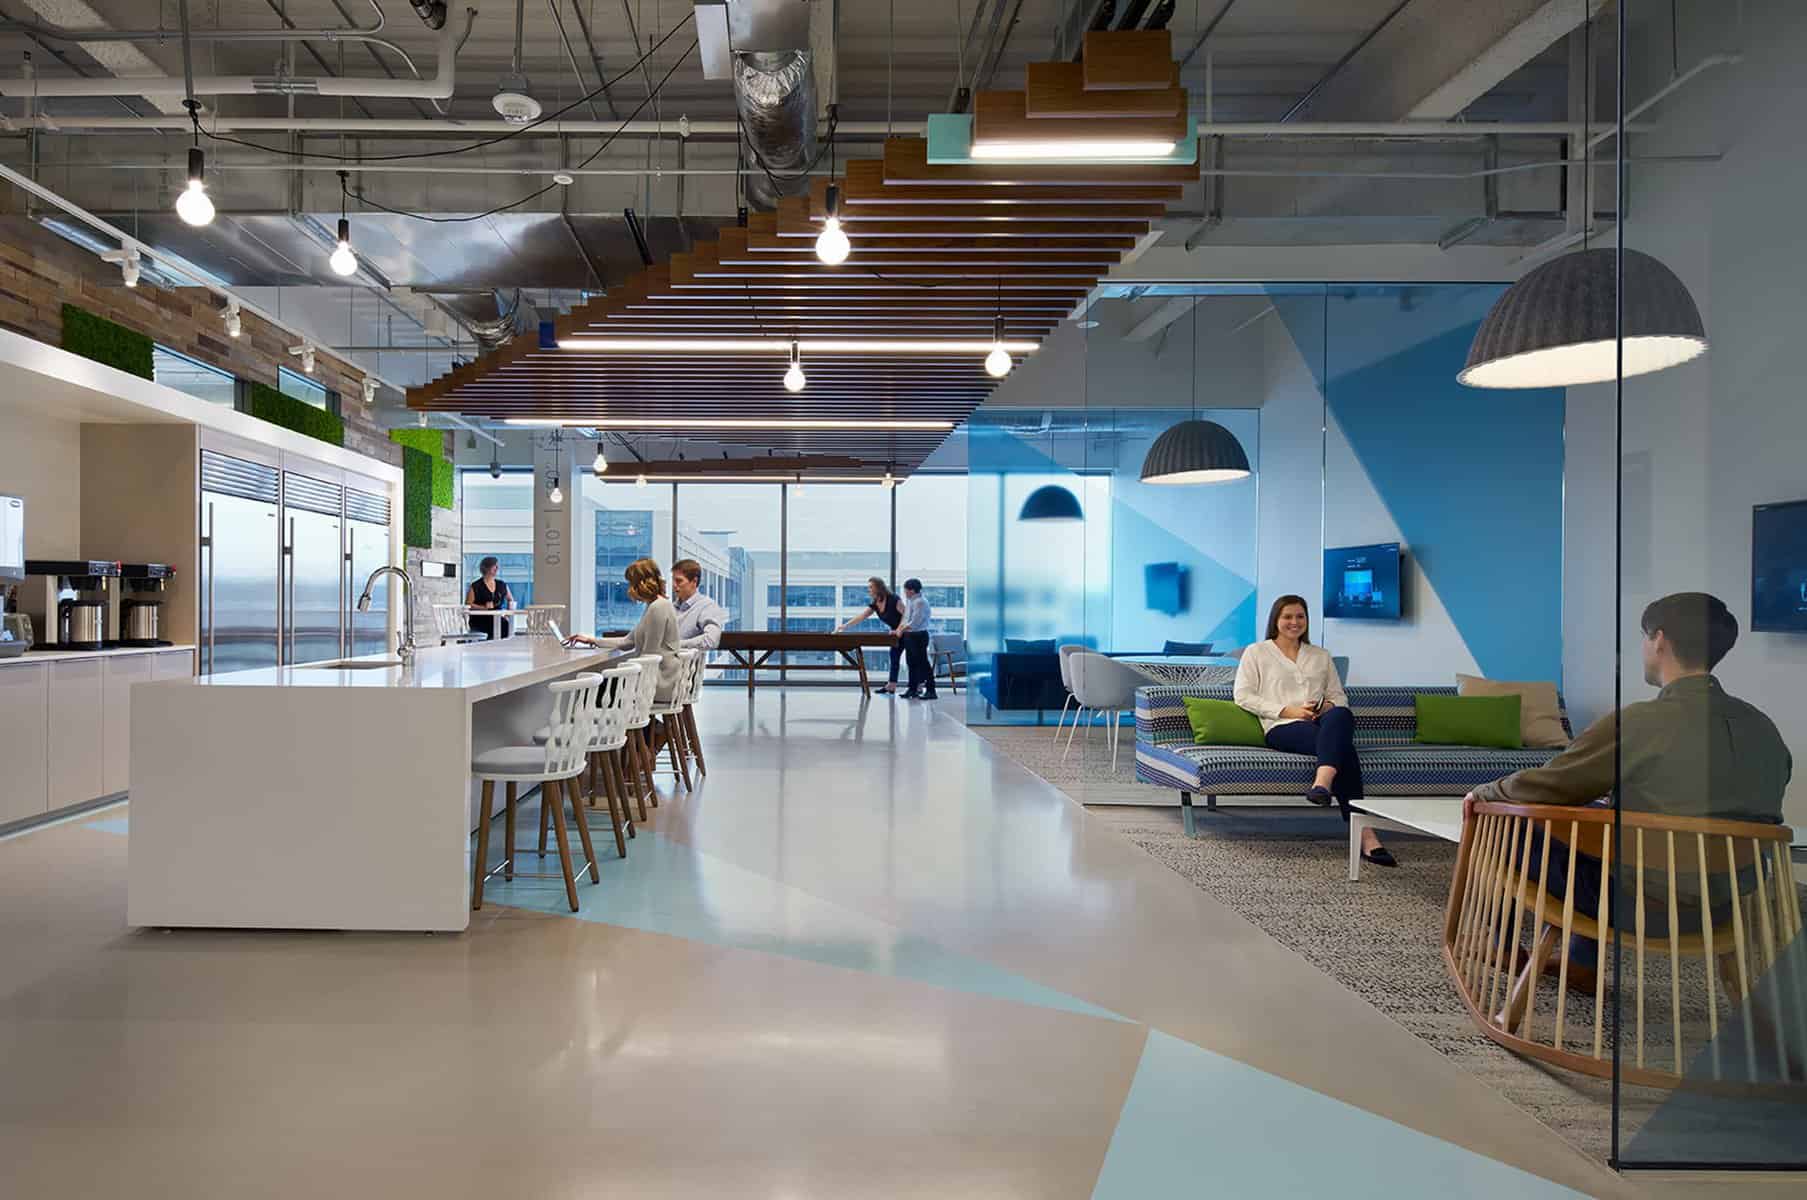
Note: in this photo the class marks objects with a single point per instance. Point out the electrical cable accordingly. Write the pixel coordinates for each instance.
(499, 138)
(534, 195)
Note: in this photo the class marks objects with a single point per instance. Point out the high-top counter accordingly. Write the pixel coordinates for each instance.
(326, 796)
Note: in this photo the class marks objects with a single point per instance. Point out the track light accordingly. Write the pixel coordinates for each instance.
(193, 204)
(793, 378)
(602, 460)
(370, 391)
(832, 245)
(997, 363)
(343, 261)
(235, 324)
(128, 261)
(305, 352)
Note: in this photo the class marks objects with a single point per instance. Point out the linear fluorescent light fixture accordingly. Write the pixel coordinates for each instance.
(951, 143)
(731, 423)
(780, 346)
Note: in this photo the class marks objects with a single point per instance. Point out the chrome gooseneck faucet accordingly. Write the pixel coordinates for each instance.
(404, 649)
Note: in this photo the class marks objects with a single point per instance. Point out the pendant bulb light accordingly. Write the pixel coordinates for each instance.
(602, 460)
(495, 464)
(794, 380)
(1557, 327)
(193, 205)
(640, 481)
(832, 246)
(556, 494)
(998, 363)
(343, 260)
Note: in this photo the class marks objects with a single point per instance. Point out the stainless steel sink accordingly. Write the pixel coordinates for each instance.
(354, 664)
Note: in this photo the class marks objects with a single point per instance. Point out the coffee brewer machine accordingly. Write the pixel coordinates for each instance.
(69, 602)
(140, 603)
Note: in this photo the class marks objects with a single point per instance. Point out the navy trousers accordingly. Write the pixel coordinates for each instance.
(1331, 739)
(916, 659)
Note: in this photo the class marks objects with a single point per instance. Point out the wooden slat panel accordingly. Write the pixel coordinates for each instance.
(1002, 116)
(1128, 60)
(1057, 90)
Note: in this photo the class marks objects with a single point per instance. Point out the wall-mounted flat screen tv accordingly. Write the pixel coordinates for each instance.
(1779, 567)
(1361, 583)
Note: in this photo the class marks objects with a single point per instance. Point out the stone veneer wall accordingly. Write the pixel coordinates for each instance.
(39, 272)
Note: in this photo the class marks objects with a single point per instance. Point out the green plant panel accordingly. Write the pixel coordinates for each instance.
(431, 441)
(445, 493)
(417, 498)
(106, 342)
(267, 404)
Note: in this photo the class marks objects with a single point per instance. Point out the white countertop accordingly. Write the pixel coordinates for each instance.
(479, 669)
(41, 656)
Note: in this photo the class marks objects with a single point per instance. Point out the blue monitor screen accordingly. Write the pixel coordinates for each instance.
(1361, 583)
(1779, 568)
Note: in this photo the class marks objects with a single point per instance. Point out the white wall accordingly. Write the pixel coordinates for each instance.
(1705, 442)
(41, 460)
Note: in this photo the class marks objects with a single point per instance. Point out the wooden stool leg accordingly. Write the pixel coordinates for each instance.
(489, 804)
(508, 820)
(629, 767)
(626, 815)
(583, 829)
(551, 794)
(614, 794)
(643, 768)
(681, 747)
(678, 770)
(544, 816)
(694, 738)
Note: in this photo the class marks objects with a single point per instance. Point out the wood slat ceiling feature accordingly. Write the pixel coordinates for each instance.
(867, 181)
(1057, 90)
(938, 252)
(1004, 116)
(1127, 61)
(907, 165)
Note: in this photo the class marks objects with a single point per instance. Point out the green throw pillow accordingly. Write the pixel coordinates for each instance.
(1470, 721)
(1221, 723)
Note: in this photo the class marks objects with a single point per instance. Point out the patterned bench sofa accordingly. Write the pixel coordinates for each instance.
(1386, 721)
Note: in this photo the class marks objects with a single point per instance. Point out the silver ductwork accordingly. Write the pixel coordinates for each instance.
(775, 91)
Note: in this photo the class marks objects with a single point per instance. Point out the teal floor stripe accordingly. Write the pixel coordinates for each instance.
(1198, 1124)
(667, 887)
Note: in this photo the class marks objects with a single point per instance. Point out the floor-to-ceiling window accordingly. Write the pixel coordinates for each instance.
(629, 521)
(735, 531)
(838, 537)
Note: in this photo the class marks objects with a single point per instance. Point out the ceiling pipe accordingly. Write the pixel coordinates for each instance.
(439, 86)
(58, 33)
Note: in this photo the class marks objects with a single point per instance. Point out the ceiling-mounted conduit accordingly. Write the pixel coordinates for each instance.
(439, 86)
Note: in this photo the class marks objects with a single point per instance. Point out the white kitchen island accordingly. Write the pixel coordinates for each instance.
(326, 796)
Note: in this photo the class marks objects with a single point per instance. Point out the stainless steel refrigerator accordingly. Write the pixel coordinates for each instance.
(284, 557)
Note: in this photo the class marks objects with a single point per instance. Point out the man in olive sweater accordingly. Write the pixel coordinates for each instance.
(1694, 751)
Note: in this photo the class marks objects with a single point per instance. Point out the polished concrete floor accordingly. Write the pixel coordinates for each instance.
(868, 956)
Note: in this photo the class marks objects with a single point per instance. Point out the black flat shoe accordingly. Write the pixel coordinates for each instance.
(1319, 796)
(1380, 857)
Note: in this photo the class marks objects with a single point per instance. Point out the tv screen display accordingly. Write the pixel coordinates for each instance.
(1361, 583)
(1779, 567)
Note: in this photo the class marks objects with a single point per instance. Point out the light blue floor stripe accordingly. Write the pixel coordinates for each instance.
(1199, 1124)
(117, 825)
(667, 887)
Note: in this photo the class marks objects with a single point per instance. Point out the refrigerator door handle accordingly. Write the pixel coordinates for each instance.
(288, 604)
(207, 544)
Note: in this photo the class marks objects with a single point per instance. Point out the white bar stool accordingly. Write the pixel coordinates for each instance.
(671, 714)
(638, 757)
(537, 619)
(454, 624)
(552, 766)
(615, 697)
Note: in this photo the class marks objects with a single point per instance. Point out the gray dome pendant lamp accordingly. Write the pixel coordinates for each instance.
(1195, 450)
(1051, 502)
(1556, 327)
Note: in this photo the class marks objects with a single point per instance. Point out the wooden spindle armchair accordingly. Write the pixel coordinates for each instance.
(1495, 899)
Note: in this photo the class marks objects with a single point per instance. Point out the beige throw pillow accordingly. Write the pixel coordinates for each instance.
(1540, 716)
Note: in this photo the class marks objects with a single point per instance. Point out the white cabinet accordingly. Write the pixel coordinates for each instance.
(77, 718)
(174, 664)
(24, 741)
(116, 719)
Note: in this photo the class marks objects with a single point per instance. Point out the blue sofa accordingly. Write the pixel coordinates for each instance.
(1386, 722)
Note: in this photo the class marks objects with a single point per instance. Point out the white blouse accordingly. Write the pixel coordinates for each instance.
(1268, 681)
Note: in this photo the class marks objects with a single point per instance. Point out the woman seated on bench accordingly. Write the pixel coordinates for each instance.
(1293, 687)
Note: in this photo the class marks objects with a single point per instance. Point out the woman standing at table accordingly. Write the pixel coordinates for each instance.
(657, 632)
(489, 592)
(887, 608)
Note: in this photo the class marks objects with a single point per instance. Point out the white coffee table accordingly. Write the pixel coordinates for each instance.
(1439, 816)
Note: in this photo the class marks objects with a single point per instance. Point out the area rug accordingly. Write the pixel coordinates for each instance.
(1285, 870)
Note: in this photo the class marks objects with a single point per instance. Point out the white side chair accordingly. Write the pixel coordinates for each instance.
(673, 712)
(454, 624)
(615, 699)
(638, 757)
(1106, 686)
(536, 619)
(1066, 682)
(553, 766)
